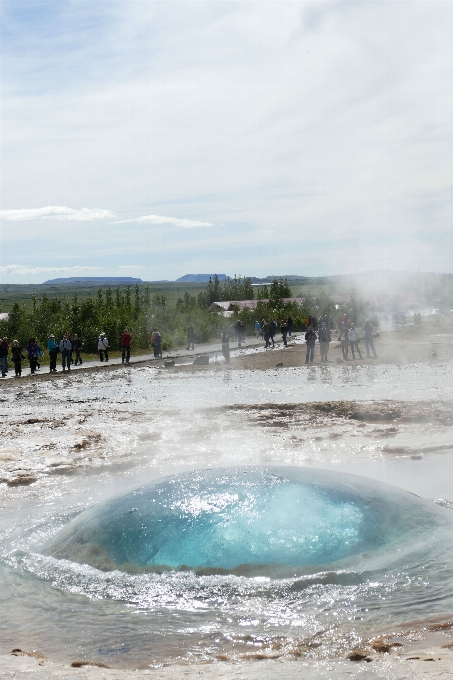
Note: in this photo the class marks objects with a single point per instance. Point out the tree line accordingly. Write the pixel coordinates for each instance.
(112, 311)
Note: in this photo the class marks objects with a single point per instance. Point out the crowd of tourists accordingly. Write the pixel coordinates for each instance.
(320, 330)
(71, 348)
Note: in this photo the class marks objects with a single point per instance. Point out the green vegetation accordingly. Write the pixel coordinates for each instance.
(24, 294)
(228, 289)
(142, 309)
(110, 312)
(274, 307)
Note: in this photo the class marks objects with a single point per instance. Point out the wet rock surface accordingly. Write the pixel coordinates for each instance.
(60, 432)
(369, 412)
(416, 429)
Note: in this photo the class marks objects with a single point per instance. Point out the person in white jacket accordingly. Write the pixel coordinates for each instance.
(354, 341)
(103, 347)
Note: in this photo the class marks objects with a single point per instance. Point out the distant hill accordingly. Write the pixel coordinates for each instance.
(100, 280)
(199, 278)
(269, 279)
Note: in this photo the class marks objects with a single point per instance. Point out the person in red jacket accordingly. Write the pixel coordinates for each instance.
(126, 345)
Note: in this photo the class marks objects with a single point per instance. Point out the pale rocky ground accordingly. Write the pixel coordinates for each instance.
(37, 446)
(424, 661)
(386, 428)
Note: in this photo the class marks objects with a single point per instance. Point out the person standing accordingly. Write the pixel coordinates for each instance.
(190, 337)
(310, 341)
(65, 349)
(103, 347)
(32, 352)
(284, 331)
(6, 343)
(368, 337)
(225, 337)
(17, 357)
(242, 327)
(344, 339)
(266, 333)
(354, 341)
(53, 352)
(272, 331)
(77, 345)
(125, 346)
(258, 331)
(3, 357)
(324, 339)
(290, 325)
(156, 341)
(238, 331)
(71, 360)
(39, 354)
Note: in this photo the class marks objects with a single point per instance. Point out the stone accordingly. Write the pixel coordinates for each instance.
(359, 655)
(201, 361)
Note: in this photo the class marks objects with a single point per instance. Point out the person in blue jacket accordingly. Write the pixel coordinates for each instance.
(53, 352)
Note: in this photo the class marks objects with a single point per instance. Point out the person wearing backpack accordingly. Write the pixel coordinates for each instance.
(103, 347)
(157, 344)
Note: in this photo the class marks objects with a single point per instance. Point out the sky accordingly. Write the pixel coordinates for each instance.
(154, 139)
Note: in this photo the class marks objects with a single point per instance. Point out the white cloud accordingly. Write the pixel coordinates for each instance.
(130, 267)
(175, 221)
(56, 212)
(313, 120)
(21, 270)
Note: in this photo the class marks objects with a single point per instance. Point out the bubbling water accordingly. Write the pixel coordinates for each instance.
(246, 520)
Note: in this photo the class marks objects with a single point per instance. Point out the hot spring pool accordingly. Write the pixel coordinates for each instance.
(290, 560)
(245, 520)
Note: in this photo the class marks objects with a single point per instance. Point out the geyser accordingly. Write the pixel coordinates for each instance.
(224, 519)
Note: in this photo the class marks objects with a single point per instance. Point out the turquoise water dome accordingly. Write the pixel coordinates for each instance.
(239, 519)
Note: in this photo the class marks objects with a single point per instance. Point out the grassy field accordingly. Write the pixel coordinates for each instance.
(11, 293)
(432, 288)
